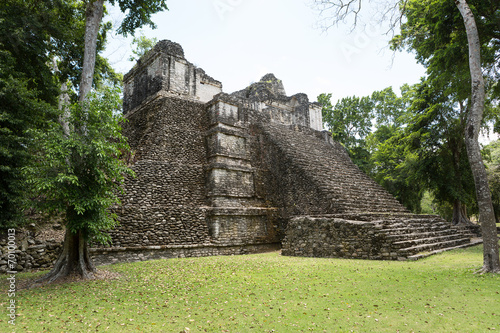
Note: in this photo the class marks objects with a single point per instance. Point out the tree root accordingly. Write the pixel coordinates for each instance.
(74, 259)
(483, 271)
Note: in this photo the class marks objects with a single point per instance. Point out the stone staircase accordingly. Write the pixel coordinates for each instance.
(422, 235)
(353, 196)
(327, 165)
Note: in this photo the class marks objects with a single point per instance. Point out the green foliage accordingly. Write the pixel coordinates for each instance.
(29, 30)
(415, 144)
(436, 135)
(142, 45)
(41, 45)
(428, 206)
(269, 292)
(138, 13)
(40, 34)
(80, 174)
(20, 109)
(394, 166)
(493, 169)
(28, 91)
(349, 122)
(435, 30)
(390, 109)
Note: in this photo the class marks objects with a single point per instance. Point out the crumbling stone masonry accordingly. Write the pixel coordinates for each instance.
(247, 172)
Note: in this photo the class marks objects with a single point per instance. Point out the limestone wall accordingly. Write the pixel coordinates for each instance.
(283, 182)
(165, 203)
(165, 71)
(30, 253)
(310, 175)
(328, 237)
(315, 117)
(237, 215)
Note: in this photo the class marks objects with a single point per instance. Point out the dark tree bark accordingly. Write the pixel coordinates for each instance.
(459, 214)
(74, 259)
(491, 259)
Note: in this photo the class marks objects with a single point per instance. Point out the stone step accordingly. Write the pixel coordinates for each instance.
(421, 228)
(406, 229)
(418, 220)
(366, 205)
(425, 241)
(425, 234)
(422, 255)
(356, 192)
(406, 252)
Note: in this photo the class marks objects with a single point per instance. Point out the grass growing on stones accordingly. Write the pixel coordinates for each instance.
(270, 293)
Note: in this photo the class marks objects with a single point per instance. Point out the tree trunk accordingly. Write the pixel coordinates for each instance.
(459, 214)
(64, 107)
(74, 259)
(94, 12)
(491, 259)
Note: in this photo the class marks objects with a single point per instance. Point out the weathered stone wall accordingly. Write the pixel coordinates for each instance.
(164, 70)
(328, 237)
(195, 178)
(267, 99)
(237, 215)
(165, 203)
(310, 175)
(315, 117)
(115, 255)
(30, 253)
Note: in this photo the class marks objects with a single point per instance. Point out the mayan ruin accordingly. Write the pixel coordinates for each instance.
(248, 172)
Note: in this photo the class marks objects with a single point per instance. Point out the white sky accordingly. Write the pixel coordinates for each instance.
(239, 41)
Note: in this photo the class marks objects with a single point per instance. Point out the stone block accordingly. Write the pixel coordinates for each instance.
(230, 182)
(222, 112)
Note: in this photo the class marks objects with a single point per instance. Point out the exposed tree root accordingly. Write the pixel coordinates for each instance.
(73, 260)
(485, 270)
(460, 215)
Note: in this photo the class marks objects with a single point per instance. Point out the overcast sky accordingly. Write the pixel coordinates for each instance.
(239, 41)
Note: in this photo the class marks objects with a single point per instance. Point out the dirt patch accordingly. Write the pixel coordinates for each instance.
(100, 274)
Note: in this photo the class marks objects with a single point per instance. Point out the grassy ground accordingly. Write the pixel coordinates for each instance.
(270, 293)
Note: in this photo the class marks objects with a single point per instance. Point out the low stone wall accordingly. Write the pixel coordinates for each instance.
(29, 254)
(117, 255)
(329, 237)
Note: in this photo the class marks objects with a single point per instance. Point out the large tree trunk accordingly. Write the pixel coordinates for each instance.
(94, 12)
(74, 259)
(459, 214)
(491, 259)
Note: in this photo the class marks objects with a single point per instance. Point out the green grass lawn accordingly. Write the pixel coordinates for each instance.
(270, 293)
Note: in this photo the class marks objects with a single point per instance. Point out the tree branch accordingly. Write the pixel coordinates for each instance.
(333, 12)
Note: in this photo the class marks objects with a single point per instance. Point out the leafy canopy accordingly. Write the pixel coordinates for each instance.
(20, 109)
(80, 174)
(142, 45)
(139, 13)
(349, 122)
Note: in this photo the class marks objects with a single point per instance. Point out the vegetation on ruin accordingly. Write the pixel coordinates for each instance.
(271, 293)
